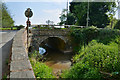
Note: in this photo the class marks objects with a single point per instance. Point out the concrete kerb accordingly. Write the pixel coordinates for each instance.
(20, 66)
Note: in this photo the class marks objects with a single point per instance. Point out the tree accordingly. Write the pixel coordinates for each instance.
(67, 19)
(117, 25)
(19, 27)
(63, 17)
(7, 20)
(49, 22)
(99, 12)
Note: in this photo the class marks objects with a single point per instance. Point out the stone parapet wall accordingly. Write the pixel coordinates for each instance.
(38, 36)
(50, 32)
(20, 66)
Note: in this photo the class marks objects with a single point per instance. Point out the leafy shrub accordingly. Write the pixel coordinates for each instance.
(81, 52)
(102, 56)
(106, 36)
(82, 71)
(81, 37)
(98, 50)
(95, 58)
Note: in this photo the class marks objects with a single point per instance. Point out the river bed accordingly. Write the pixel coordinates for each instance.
(58, 61)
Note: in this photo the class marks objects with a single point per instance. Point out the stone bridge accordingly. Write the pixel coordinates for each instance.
(56, 38)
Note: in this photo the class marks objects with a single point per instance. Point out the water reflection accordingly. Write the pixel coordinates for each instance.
(57, 60)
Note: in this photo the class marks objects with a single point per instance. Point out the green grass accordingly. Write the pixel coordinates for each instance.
(82, 71)
(95, 58)
(14, 28)
(4, 77)
(96, 54)
(40, 69)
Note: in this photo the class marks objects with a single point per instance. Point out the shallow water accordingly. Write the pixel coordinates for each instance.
(58, 61)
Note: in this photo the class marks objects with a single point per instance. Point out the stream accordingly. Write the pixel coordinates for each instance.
(58, 61)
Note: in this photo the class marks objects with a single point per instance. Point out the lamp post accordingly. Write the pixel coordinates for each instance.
(118, 9)
(119, 39)
(28, 14)
(87, 24)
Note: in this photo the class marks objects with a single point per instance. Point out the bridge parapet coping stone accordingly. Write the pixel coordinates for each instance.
(20, 66)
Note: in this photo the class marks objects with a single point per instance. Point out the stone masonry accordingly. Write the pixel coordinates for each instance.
(39, 35)
(20, 66)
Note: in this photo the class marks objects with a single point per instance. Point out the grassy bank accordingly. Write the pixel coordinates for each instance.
(40, 69)
(96, 54)
(95, 57)
(14, 28)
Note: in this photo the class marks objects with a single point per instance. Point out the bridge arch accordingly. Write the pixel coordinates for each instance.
(41, 36)
(54, 42)
(60, 37)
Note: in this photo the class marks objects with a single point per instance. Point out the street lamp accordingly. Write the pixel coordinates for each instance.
(118, 9)
(28, 14)
(67, 13)
(87, 15)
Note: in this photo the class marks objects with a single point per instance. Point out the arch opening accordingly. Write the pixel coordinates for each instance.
(54, 43)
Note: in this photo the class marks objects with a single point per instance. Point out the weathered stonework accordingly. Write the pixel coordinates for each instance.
(20, 66)
(28, 75)
(40, 35)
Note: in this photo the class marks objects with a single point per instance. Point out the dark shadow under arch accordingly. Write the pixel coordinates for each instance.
(55, 43)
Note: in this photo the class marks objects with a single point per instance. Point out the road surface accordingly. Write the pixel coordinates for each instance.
(5, 46)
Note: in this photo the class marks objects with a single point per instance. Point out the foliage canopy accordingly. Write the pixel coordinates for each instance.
(67, 18)
(7, 20)
(100, 13)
